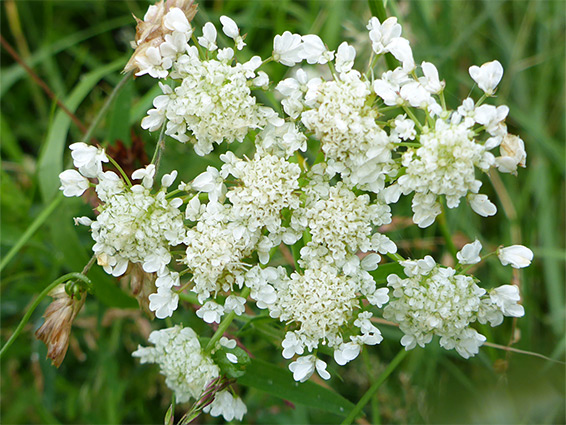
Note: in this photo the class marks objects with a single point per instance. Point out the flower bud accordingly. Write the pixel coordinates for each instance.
(518, 256)
(59, 317)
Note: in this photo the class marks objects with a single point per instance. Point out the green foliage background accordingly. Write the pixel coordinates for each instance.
(79, 47)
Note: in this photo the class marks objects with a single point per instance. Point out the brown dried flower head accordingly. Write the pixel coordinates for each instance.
(59, 316)
(151, 31)
(142, 284)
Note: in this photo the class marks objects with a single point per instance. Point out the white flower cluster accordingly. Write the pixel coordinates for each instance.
(342, 221)
(211, 98)
(188, 370)
(443, 165)
(320, 182)
(340, 115)
(177, 351)
(435, 300)
(138, 227)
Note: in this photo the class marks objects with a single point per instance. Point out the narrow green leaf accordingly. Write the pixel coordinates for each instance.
(11, 75)
(10, 147)
(50, 162)
(384, 270)
(279, 382)
(119, 116)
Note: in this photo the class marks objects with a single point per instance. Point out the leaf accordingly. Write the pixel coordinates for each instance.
(384, 270)
(119, 116)
(50, 162)
(279, 382)
(9, 76)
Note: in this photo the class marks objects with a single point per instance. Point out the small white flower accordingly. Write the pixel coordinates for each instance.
(381, 34)
(227, 405)
(321, 369)
(208, 39)
(314, 50)
(404, 128)
(470, 253)
(506, 297)
(73, 183)
(151, 62)
(513, 154)
(518, 256)
(211, 312)
(228, 343)
(401, 49)
(303, 368)
(210, 182)
(482, 205)
(84, 221)
(146, 175)
(175, 20)
(168, 179)
(346, 353)
(345, 56)
(487, 76)
(88, 159)
(230, 28)
(232, 358)
(167, 279)
(370, 261)
(292, 345)
(430, 81)
(287, 49)
(164, 302)
(235, 304)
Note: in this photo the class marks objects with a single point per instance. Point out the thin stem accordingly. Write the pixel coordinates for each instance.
(396, 257)
(105, 107)
(442, 100)
(375, 415)
(159, 149)
(44, 86)
(411, 115)
(122, 172)
(39, 298)
(224, 324)
(446, 234)
(373, 389)
(37, 223)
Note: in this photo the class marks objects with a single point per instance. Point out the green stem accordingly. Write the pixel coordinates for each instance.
(39, 298)
(37, 223)
(375, 415)
(373, 389)
(224, 324)
(396, 257)
(121, 171)
(413, 117)
(446, 234)
(159, 149)
(105, 107)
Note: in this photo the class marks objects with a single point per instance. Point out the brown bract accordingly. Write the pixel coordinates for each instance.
(59, 317)
(150, 32)
(142, 284)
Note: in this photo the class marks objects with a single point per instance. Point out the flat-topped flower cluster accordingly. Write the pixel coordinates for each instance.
(379, 135)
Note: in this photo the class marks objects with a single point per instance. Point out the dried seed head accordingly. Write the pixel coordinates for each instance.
(142, 284)
(59, 317)
(151, 31)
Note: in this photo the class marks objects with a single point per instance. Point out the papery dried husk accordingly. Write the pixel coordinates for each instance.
(142, 284)
(151, 33)
(59, 316)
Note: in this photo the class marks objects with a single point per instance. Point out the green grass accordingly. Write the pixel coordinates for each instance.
(78, 49)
